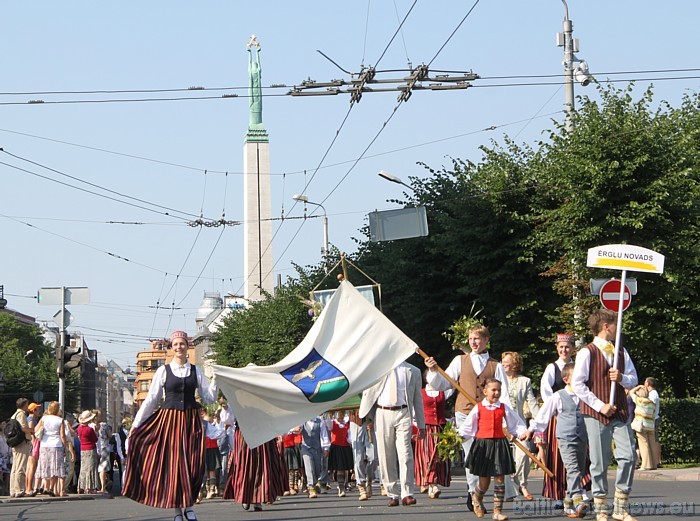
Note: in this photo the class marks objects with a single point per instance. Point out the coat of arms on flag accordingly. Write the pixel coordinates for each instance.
(317, 378)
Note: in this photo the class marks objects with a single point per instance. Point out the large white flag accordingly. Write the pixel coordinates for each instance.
(351, 347)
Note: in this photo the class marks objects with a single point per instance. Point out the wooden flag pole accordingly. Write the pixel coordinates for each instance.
(469, 397)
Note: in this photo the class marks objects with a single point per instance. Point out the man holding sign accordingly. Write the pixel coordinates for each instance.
(594, 371)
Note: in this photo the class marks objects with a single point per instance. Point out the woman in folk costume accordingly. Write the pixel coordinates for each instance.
(165, 461)
(430, 471)
(555, 488)
(255, 476)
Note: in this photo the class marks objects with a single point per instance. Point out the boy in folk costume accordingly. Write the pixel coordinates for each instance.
(571, 437)
(471, 370)
(591, 381)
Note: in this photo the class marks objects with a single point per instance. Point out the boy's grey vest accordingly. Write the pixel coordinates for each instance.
(570, 421)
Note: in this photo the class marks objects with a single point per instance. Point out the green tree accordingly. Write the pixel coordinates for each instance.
(267, 330)
(511, 233)
(627, 174)
(28, 364)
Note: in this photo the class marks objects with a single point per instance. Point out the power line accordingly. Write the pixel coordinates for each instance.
(453, 33)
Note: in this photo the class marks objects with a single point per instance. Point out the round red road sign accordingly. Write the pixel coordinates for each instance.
(610, 296)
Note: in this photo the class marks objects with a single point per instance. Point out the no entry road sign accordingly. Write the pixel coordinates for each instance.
(610, 296)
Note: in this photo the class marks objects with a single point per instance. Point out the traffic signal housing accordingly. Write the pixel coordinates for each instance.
(71, 358)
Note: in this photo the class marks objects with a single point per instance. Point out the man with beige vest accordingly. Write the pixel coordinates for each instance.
(470, 370)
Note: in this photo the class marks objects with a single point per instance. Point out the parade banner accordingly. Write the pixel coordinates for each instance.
(350, 347)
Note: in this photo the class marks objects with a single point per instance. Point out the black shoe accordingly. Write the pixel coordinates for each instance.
(470, 505)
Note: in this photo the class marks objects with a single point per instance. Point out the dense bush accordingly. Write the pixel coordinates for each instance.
(678, 430)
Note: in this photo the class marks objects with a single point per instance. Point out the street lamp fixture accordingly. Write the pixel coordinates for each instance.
(305, 199)
(391, 177)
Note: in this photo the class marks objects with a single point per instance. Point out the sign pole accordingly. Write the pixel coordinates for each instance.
(62, 348)
(618, 332)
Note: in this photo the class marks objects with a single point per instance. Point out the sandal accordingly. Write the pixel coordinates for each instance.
(178, 517)
(257, 507)
(526, 494)
(190, 515)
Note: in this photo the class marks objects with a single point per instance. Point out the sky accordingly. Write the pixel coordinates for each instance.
(96, 188)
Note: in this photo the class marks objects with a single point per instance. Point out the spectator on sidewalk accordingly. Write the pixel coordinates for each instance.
(651, 385)
(21, 452)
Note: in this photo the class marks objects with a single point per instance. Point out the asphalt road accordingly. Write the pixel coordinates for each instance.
(652, 499)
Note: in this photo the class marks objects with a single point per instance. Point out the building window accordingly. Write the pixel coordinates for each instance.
(144, 385)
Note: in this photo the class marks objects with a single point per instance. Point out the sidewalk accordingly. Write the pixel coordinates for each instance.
(662, 474)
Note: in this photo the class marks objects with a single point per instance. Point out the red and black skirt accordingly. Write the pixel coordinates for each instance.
(165, 461)
(427, 466)
(256, 475)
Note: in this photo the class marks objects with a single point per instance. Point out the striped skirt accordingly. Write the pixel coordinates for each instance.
(554, 488)
(165, 462)
(427, 467)
(256, 475)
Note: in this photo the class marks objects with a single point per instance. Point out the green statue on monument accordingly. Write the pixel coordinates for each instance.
(256, 129)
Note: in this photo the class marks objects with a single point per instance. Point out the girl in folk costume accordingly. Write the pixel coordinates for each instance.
(255, 475)
(490, 454)
(340, 459)
(430, 471)
(292, 457)
(165, 460)
(212, 456)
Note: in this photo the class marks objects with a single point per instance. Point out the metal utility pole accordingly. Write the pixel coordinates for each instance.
(568, 43)
(63, 295)
(580, 73)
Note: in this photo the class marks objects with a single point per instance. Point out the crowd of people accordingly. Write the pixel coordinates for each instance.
(175, 453)
(53, 455)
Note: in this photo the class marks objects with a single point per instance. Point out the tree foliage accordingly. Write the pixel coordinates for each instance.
(512, 232)
(25, 372)
(267, 330)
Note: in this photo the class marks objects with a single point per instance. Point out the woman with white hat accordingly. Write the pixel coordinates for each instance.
(165, 460)
(89, 479)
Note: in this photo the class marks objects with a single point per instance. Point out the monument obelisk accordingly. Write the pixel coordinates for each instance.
(257, 200)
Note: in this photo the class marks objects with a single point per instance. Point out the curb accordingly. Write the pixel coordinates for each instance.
(690, 474)
(72, 497)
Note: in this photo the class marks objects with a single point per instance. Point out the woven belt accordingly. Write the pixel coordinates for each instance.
(397, 408)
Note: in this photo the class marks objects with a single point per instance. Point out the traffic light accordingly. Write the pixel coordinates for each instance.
(71, 358)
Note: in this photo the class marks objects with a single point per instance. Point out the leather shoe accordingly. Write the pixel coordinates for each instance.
(470, 505)
(393, 502)
(408, 500)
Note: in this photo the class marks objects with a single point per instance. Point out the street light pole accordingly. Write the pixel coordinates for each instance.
(325, 250)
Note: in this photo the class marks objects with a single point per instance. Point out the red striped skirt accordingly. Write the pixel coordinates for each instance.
(427, 466)
(256, 475)
(165, 462)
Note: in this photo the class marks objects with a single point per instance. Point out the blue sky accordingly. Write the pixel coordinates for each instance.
(158, 151)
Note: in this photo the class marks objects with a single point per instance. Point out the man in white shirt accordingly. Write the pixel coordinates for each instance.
(393, 403)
